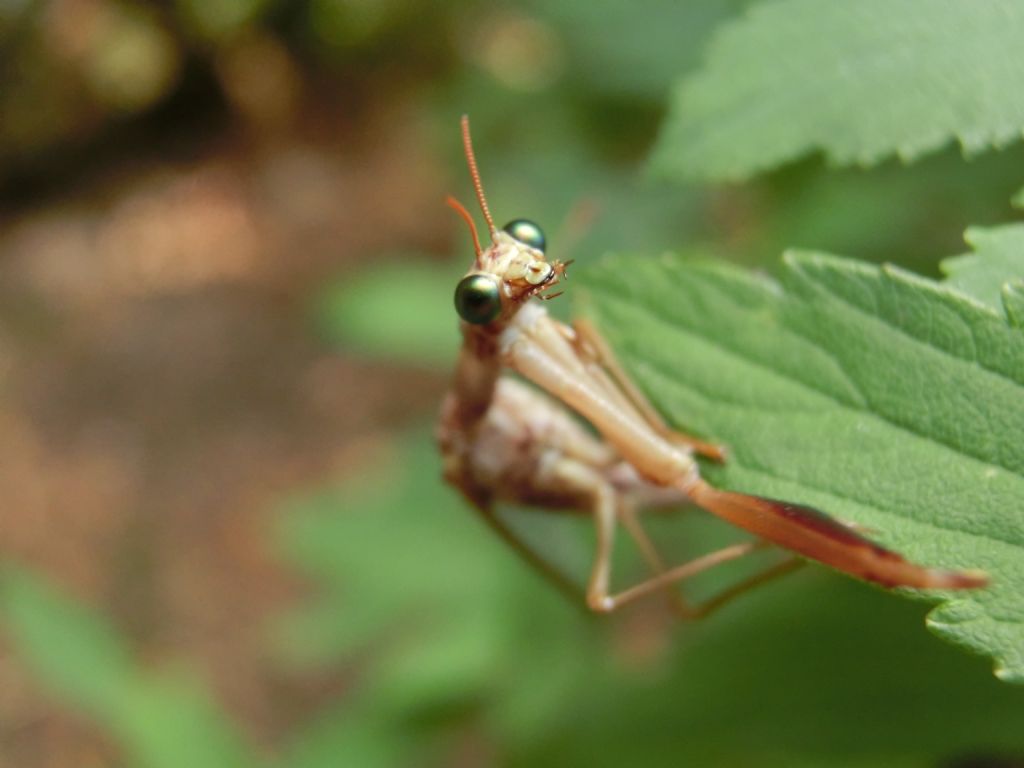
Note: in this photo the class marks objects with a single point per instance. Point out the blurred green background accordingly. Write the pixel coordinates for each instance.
(225, 326)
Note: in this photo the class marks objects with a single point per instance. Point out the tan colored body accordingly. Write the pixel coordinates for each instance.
(504, 441)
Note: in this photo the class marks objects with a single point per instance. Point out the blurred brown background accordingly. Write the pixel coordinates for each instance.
(175, 181)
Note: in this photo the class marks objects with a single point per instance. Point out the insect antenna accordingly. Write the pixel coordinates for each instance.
(467, 143)
(461, 210)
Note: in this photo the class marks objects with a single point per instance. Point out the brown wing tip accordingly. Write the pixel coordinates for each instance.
(813, 534)
(891, 569)
(969, 579)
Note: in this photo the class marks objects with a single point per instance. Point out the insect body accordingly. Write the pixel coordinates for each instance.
(505, 441)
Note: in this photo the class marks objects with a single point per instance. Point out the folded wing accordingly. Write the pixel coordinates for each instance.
(814, 535)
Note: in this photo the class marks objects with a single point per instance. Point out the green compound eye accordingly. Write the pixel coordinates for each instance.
(478, 299)
(525, 231)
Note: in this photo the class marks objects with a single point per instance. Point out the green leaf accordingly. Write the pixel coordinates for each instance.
(873, 394)
(998, 257)
(1013, 302)
(161, 721)
(859, 81)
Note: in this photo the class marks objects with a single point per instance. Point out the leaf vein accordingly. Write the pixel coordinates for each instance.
(785, 376)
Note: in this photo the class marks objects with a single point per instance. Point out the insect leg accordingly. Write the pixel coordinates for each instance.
(606, 505)
(591, 344)
(679, 604)
(633, 527)
(587, 481)
(548, 571)
(536, 350)
(727, 595)
(606, 508)
(599, 599)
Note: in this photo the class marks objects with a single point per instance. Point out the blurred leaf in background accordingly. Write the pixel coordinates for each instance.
(161, 719)
(400, 309)
(444, 619)
(633, 52)
(219, 19)
(890, 212)
(132, 61)
(64, 67)
(455, 637)
(858, 80)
